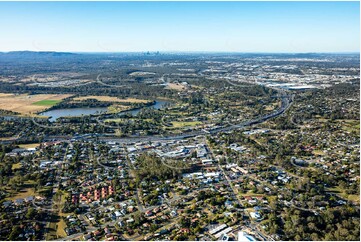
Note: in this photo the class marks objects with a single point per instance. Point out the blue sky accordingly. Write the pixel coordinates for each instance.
(180, 26)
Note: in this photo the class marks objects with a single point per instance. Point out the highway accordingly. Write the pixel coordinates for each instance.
(285, 104)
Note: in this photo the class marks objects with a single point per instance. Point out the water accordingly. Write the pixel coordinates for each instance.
(71, 112)
(158, 105)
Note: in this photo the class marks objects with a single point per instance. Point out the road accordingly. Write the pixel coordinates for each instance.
(133, 175)
(235, 193)
(285, 104)
(224, 174)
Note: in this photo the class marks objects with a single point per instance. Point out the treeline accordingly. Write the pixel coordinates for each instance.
(332, 224)
(137, 89)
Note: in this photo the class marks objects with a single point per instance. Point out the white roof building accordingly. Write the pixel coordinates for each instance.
(243, 236)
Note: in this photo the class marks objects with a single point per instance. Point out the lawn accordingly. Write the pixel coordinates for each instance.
(47, 103)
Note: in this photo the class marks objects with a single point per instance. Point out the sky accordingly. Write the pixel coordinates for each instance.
(180, 26)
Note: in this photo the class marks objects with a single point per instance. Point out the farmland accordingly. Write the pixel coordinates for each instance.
(47, 103)
(136, 156)
(29, 104)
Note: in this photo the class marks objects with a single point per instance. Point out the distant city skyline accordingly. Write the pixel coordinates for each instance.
(272, 27)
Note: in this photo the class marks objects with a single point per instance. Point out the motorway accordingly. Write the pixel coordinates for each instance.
(285, 104)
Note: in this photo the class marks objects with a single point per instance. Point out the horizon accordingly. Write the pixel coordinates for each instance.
(231, 27)
(171, 52)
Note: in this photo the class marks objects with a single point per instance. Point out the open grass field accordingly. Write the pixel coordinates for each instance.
(29, 104)
(175, 86)
(60, 228)
(2, 95)
(27, 190)
(52, 229)
(24, 193)
(352, 197)
(318, 152)
(47, 102)
(185, 124)
(115, 120)
(142, 73)
(61, 225)
(16, 166)
(28, 146)
(117, 108)
(112, 99)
